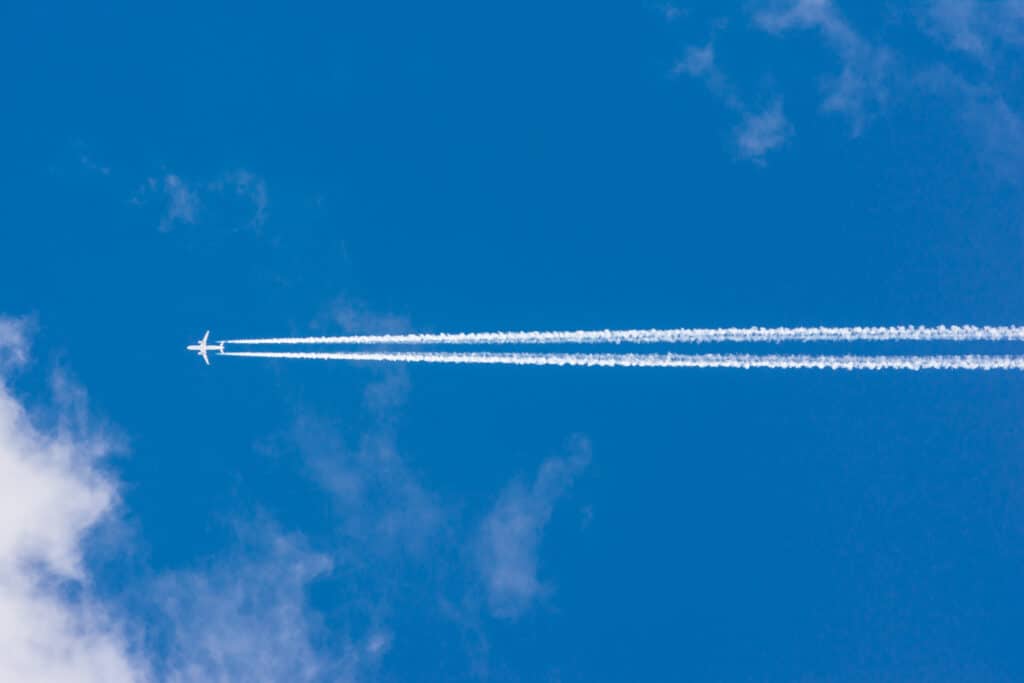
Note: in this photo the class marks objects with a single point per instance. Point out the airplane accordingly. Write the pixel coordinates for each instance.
(202, 347)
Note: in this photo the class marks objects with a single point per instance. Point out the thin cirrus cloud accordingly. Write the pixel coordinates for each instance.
(758, 132)
(14, 344)
(508, 541)
(976, 28)
(861, 88)
(989, 35)
(762, 132)
(246, 618)
(382, 517)
(182, 202)
(249, 188)
(381, 507)
(996, 128)
(871, 71)
(235, 198)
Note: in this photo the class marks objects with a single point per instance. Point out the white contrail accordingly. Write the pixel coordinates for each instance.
(667, 360)
(958, 333)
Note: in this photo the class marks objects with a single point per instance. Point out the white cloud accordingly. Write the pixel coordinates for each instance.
(860, 89)
(91, 165)
(378, 501)
(182, 201)
(249, 187)
(699, 61)
(995, 126)
(1000, 130)
(245, 619)
(237, 198)
(13, 342)
(509, 538)
(758, 132)
(762, 132)
(361, 659)
(53, 492)
(672, 12)
(991, 33)
(386, 394)
(974, 27)
(354, 317)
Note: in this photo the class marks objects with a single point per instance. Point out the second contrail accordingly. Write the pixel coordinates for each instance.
(667, 360)
(695, 335)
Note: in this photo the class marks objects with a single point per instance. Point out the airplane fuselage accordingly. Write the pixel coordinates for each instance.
(202, 347)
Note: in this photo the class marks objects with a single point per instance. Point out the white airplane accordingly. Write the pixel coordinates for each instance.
(202, 347)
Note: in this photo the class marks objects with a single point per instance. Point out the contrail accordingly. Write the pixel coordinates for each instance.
(957, 333)
(667, 360)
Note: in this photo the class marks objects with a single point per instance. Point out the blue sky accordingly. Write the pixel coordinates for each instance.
(260, 170)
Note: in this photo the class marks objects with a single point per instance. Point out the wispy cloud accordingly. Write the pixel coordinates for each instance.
(91, 165)
(990, 34)
(758, 132)
(995, 126)
(14, 344)
(234, 199)
(377, 500)
(974, 27)
(181, 201)
(861, 88)
(699, 62)
(249, 187)
(354, 317)
(508, 541)
(246, 618)
(670, 11)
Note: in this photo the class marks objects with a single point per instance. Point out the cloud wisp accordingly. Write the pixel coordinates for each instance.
(975, 27)
(758, 132)
(509, 538)
(237, 197)
(246, 618)
(182, 201)
(861, 87)
(247, 187)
